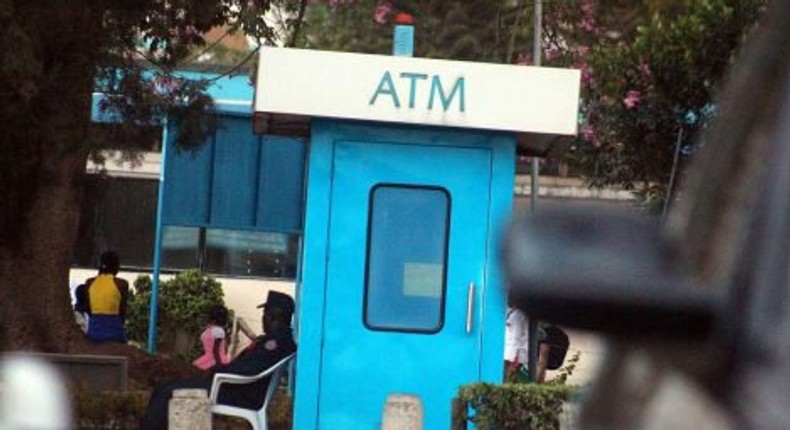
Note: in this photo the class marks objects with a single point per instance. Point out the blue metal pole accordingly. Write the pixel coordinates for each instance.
(154, 302)
(532, 325)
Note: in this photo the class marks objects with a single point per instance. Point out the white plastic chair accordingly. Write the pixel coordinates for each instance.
(256, 417)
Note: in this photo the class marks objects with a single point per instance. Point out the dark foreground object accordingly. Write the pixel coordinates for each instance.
(697, 310)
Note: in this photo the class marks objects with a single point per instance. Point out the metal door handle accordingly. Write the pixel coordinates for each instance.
(470, 305)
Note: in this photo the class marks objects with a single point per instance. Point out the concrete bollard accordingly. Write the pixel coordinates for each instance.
(189, 409)
(402, 412)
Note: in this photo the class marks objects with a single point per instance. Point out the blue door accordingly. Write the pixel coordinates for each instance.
(407, 257)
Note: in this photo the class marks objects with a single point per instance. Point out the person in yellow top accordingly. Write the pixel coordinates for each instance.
(107, 300)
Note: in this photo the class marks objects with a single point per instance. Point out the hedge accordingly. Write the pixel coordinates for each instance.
(184, 304)
(122, 410)
(515, 406)
(108, 410)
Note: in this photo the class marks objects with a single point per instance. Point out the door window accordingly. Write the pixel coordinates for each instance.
(406, 258)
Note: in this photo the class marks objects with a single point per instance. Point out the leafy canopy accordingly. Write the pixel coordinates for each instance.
(476, 30)
(57, 54)
(650, 76)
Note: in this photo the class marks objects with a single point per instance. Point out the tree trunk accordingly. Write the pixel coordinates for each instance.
(50, 53)
(34, 300)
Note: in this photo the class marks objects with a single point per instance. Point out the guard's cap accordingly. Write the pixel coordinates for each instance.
(279, 300)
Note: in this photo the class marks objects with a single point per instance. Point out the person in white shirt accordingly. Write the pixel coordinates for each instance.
(516, 345)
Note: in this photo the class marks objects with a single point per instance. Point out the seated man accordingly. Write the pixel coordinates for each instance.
(276, 344)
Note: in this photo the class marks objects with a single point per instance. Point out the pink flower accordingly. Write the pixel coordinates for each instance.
(588, 133)
(632, 99)
(587, 7)
(587, 75)
(587, 24)
(382, 11)
(552, 52)
(586, 71)
(582, 50)
(523, 60)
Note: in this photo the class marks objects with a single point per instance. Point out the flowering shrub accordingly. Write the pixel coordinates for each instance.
(122, 410)
(478, 30)
(382, 12)
(648, 84)
(649, 70)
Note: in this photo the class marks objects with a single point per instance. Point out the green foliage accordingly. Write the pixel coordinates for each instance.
(129, 50)
(477, 30)
(53, 60)
(346, 28)
(516, 406)
(566, 370)
(650, 75)
(184, 304)
(122, 410)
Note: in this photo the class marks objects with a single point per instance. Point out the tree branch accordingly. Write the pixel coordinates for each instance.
(298, 24)
(238, 66)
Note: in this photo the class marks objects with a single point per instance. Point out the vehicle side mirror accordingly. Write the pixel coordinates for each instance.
(605, 271)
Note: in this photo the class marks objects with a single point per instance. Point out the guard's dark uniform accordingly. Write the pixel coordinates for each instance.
(266, 351)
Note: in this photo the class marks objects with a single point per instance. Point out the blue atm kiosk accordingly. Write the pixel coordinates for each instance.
(410, 172)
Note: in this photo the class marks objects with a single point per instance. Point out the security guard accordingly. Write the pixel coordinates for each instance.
(265, 351)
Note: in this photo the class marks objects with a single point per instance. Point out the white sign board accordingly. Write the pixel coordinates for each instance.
(418, 91)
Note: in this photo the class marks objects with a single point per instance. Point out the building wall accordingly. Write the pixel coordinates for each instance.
(243, 294)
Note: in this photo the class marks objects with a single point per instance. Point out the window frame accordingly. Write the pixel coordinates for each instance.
(445, 258)
(97, 229)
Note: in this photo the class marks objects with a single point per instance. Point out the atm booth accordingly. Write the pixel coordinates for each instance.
(409, 182)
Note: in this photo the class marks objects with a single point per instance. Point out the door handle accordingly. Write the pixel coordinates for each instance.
(470, 307)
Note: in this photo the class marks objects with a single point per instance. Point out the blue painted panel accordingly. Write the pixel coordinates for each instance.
(347, 399)
(234, 189)
(236, 181)
(314, 300)
(281, 183)
(225, 89)
(231, 94)
(403, 41)
(187, 185)
(499, 213)
(310, 309)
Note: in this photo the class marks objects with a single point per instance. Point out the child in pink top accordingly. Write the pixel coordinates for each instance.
(213, 340)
